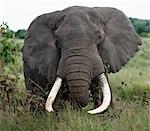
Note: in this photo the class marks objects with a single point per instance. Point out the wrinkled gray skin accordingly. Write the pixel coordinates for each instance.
(75, 44)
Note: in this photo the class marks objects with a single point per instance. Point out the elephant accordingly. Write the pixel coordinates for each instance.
(77, 45)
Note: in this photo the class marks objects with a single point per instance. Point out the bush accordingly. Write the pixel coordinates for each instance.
(142, 27)
(20, 34)
(9, 49)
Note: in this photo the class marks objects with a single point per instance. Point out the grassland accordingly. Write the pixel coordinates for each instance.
(130, 110)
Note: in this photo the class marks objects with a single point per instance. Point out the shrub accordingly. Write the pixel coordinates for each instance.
(9, 49)
(20, 34)
(142, 27)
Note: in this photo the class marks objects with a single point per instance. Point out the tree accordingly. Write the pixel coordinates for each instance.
(21, 33)
(141, 26)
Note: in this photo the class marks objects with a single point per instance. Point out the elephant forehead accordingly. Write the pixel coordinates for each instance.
(75, 28)
(75, 20)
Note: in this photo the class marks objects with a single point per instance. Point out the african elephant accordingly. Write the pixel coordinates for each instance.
(74, 45)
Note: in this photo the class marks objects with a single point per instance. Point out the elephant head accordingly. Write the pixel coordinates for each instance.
(74, 45)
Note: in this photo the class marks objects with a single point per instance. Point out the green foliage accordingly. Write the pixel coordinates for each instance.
(20, 34)
(141, 26)
(5, 31)
(9, 49)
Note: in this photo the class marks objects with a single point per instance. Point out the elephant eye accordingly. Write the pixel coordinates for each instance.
(100, 35)
(57, 44)
(98, 38)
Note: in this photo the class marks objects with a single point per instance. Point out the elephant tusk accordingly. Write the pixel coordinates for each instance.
(52, 94)
(106, 95)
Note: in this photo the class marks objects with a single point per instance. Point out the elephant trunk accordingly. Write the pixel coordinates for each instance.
(78, 78)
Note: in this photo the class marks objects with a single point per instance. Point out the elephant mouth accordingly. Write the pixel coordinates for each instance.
(105, 89)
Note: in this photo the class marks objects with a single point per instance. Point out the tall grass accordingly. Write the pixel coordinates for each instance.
(130, 110)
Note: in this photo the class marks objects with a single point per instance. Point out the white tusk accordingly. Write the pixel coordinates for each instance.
(52, 94)
(106, 96)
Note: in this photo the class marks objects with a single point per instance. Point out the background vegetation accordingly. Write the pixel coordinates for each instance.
(142, 27)
(130, 89)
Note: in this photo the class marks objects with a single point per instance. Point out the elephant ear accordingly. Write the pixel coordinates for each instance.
(39, 51)
(120, 42)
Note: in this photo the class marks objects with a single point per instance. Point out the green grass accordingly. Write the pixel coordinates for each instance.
(130, 111)
(125, 117)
